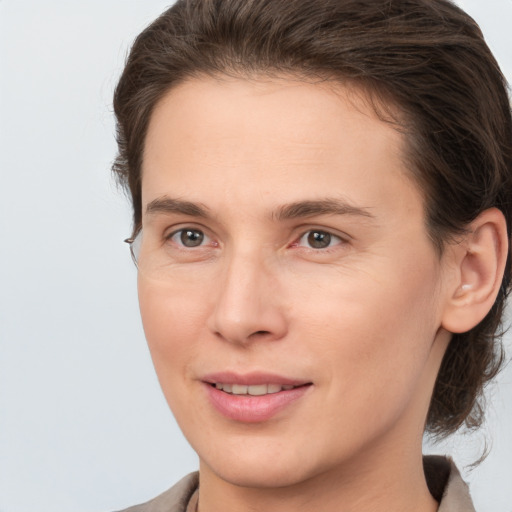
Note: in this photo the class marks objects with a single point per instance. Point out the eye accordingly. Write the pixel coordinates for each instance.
(188, 237)
(318, 239)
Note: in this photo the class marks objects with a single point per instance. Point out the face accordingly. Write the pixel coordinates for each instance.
(290, 294)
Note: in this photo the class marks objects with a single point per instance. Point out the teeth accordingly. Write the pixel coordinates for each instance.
(274, 388)
(256, 390)
(239, 389)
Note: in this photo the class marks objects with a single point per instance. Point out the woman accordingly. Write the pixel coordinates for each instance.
(321, 226)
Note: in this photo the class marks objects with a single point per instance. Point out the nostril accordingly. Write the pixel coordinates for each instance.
(260, 333)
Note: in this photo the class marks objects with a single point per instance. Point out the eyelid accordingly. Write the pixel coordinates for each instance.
(171, 229)
(303, 230)
(333, 238)
(171, 232)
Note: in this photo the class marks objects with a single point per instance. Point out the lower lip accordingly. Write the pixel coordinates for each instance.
(253, 409)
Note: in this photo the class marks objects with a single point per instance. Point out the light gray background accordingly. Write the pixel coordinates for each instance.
(83, 424)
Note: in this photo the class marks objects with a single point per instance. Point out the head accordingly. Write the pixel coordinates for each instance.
(419, 67)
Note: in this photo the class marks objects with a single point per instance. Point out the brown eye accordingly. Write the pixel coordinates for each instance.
(319, 239)
(189, 237)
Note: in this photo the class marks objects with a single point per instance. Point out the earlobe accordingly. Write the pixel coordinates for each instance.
(480, 259)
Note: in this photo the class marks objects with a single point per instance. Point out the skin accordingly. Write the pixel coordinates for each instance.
(360, 319)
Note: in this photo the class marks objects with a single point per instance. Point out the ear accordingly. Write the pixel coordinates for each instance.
(478, 263)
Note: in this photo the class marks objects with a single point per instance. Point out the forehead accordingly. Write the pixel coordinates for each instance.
(274, 138)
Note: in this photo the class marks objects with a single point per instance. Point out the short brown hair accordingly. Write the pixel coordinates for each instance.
(426, 57)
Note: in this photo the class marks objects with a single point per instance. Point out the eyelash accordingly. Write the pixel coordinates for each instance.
(322, 235)
(305, 236)
(180, 232)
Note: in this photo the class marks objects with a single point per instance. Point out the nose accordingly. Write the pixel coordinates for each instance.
(248, 305)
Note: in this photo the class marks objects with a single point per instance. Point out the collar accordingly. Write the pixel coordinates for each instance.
(446, 484)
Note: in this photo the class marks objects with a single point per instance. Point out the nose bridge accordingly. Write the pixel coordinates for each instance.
(247, 305)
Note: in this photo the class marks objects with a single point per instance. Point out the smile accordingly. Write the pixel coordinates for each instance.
(254, 390)
(253, 398)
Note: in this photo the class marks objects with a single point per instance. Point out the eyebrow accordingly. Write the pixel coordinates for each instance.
(299, 209)
(321, 207)
(170, 205)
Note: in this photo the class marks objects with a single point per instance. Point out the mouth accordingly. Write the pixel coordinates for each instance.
(254, 398)
(255, 389)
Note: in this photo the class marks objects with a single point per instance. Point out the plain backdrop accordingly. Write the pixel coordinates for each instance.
(83, 424)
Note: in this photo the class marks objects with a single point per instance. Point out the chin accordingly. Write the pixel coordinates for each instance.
(262, 475)
(265, 464)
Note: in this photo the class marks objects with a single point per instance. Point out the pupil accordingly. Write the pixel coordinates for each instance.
(319, 239)
(191, 238)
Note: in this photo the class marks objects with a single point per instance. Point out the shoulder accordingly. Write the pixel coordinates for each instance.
(446, 485)
(174, 499)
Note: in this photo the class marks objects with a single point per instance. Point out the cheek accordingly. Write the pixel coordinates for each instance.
(374, 327)
(172, 320)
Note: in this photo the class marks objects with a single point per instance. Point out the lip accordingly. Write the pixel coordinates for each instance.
(253, 409)
(252, 379)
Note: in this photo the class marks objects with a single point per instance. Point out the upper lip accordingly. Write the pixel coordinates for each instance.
(252, 379)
